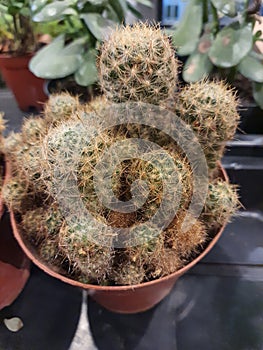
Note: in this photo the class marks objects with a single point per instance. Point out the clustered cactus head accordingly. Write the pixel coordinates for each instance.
(210, 107)
(137, 63)
(221, 203)
(58, 155)
(33, 129)
(60, 107)
(14, 193)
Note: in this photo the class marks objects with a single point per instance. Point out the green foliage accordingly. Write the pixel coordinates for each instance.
(87, 24)
(17, 34)
(227, 49)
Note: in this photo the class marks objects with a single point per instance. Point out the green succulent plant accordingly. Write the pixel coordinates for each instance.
(70, 140)
(218, 37)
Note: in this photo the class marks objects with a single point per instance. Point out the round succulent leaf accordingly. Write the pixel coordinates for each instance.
(45, 53)
(75, 47)
(251, 68)
(231, 45)
(205, 43)
(197, 66)
(227, 7)
(98, 25)
(87, 73)
(58, 67)
(55, 11)
(56, 61)
(258, 93)
(186, 35)
(38, 4)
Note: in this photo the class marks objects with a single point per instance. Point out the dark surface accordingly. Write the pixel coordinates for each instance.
(50, 312)
(217, 306)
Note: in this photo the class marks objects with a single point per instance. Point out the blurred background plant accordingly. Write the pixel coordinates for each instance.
(72, 54)
(19, 35)
(218, 38)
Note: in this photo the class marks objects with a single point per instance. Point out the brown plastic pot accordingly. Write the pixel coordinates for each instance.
(26, 87)
(14, 264)
(122, 299)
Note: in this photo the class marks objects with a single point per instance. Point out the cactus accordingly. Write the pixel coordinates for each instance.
(33, 129)
(221, 204)
(14, 194)
(92, 260)
(12, 143)
(58, 156)
(60, 107)
(210, 108)
(184, 242)
(137, 64)
(42, 223)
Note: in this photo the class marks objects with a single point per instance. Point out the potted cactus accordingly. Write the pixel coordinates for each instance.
(125, 194)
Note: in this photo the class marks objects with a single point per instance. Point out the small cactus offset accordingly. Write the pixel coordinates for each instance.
(33, 129)
(221, 203)
(210, 108)
(14, 194)
(60, 107)
(70, 214)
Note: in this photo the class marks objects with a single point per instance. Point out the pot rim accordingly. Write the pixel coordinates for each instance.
(73, 282)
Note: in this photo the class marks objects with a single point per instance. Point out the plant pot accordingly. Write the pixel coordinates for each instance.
(122, 299)
(14, 264)
(26, 87)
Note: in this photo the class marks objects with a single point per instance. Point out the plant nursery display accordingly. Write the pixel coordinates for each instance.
(102, 194)
(220, 38)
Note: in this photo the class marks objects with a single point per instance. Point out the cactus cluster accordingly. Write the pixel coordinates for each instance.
(57, 155)
(2, 128)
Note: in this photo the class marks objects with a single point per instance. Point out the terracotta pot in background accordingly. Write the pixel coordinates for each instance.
(26, 87)
(14, 264)
(122, 299)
